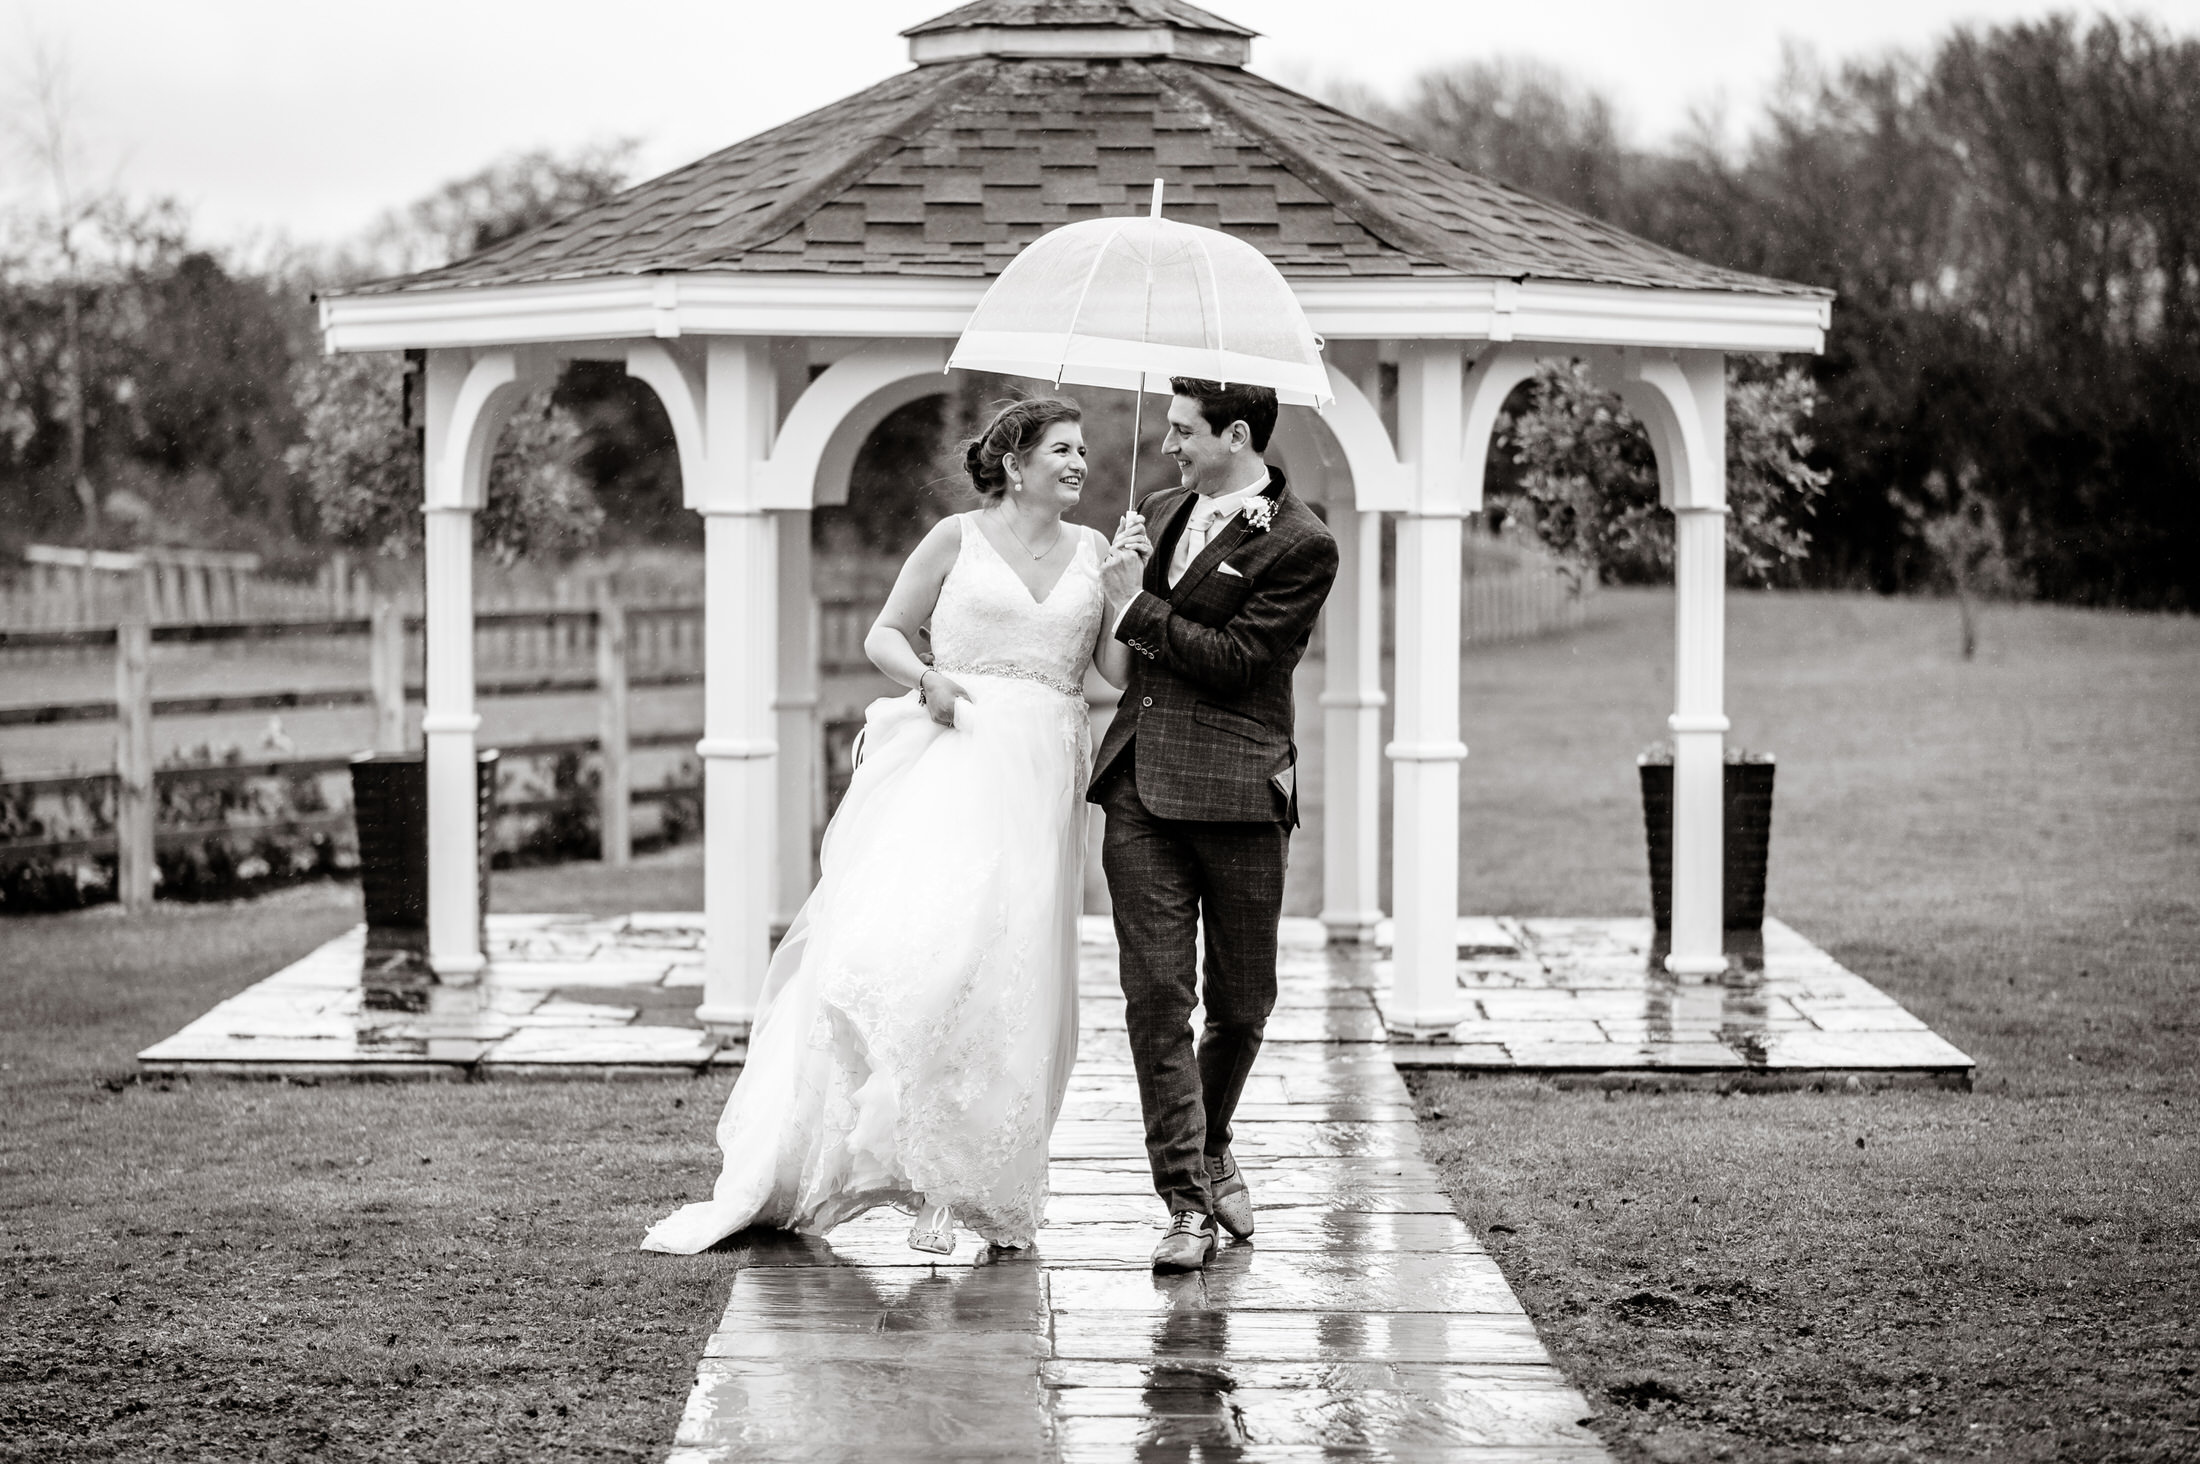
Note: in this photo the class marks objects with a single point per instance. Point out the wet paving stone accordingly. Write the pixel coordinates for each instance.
(1276, 1336)
(1250, 1278)
(837, 1408)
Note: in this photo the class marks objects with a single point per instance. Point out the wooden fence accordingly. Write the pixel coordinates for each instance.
(607, 632)
(610, 648)
(66, 588)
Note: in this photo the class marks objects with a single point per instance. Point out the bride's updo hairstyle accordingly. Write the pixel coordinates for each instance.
(1015, 430)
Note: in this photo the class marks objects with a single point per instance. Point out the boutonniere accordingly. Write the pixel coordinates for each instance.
(1260, 512)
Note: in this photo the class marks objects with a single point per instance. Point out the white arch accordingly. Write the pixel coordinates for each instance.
(1489, 382)
(1379, 480)
(817, 444)
(680, 391)
(1680, 398)
(467, 415)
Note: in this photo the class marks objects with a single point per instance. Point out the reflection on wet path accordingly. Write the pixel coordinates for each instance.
(1363, 1322)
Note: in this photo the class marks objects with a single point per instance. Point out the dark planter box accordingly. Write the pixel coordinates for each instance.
(1748, 795)
(389, 803)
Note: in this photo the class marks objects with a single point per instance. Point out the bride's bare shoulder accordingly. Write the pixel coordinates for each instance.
(935, 552)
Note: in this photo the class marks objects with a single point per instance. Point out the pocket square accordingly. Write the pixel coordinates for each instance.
(1224, 568)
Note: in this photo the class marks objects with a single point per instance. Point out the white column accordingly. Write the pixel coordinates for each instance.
(1352, 712)
(449, 723)
(723, 411)
(740, 799)
(801, 785)
(1426, 750)
(1680, 398)
(468, 397)
(1699, 741)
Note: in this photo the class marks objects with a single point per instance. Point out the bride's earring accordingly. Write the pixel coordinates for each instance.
(934, 1231)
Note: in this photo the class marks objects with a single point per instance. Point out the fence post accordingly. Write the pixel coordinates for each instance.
(386, 670)
(338, 576)
(134, 764)
(614, 791)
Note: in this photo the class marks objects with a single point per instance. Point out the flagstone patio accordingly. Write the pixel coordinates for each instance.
(596, 996)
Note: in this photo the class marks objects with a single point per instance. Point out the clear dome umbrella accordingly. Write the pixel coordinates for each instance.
(1130, 302)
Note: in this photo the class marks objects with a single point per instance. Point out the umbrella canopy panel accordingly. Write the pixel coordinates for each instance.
(1114, 302)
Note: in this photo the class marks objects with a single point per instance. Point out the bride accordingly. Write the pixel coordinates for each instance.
(920, 1017)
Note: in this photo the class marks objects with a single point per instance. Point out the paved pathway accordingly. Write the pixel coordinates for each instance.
(1363, 1322)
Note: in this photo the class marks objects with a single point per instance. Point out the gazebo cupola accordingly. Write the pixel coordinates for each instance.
(783, 295)
(1086, 30)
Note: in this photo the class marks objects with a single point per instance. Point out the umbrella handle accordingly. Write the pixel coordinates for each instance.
(1138, 407)
(1138, 392)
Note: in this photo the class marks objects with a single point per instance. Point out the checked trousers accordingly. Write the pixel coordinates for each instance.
(1169, 878)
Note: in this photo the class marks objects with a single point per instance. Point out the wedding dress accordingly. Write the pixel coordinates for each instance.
(920, 1017)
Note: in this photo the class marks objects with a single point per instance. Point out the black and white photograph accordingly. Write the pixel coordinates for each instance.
(1070, 731)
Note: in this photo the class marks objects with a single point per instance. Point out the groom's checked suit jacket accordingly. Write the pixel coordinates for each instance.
(1209, 700)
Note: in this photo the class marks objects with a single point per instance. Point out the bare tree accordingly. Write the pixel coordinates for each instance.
(43, 127)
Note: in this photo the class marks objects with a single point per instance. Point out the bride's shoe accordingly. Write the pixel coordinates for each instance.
(934, 1231)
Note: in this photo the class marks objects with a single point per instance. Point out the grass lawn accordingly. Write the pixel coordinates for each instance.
(2012, 848)
(221, 1270)
(358, 1271)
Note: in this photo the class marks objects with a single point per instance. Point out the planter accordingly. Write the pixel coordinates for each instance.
(389, 805)
(1748, 797)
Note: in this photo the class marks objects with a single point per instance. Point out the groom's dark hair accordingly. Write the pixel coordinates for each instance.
(1221, 405)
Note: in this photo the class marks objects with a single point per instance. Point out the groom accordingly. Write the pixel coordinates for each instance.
(1198, 776)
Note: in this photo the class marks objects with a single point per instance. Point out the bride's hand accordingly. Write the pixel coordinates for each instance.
(1130, 537)
(1120, 574)
(941, 692)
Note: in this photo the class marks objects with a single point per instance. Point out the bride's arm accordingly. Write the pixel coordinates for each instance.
(892, 641)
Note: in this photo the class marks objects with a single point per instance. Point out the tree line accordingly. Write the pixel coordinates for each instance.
(2009, 402)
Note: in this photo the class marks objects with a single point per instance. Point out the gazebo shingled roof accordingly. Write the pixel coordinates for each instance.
(952, 167)
(782, 296)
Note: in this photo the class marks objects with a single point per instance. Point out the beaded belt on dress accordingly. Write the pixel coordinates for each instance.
(1020, 673)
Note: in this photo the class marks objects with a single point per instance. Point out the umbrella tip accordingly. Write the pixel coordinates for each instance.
(1155, 212)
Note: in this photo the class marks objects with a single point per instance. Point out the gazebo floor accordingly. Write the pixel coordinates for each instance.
(1573, 999)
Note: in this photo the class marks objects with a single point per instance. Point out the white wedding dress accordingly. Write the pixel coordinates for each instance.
(920, 1016)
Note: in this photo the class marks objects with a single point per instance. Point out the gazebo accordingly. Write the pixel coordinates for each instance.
(783, 296)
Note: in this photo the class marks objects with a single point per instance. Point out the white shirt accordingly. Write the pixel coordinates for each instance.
(1207, 518)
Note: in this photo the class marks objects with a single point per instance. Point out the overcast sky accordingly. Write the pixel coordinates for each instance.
(305, 119)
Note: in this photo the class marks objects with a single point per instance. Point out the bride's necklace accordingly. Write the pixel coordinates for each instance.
(1036, 556)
